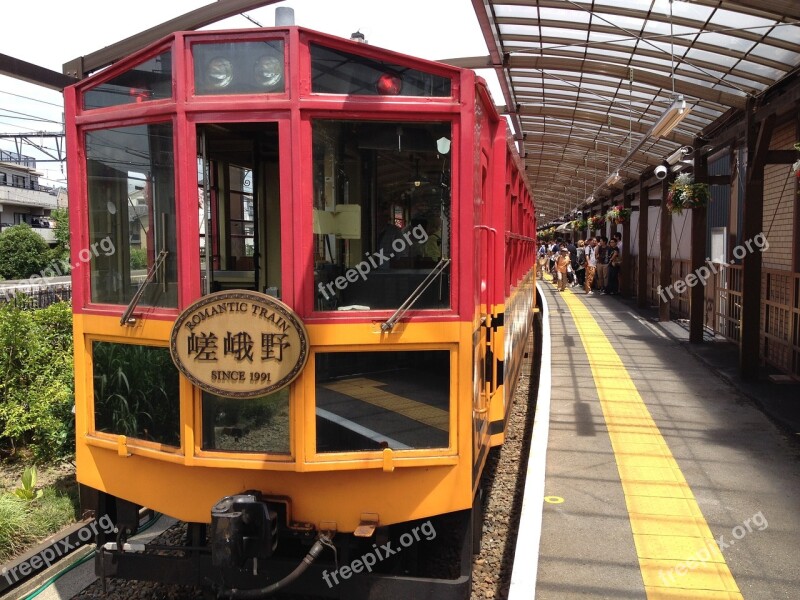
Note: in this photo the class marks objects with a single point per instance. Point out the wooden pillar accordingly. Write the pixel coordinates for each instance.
(644, 217)
(626, 271)
(757, 141)
(697, 293)
(665, 256)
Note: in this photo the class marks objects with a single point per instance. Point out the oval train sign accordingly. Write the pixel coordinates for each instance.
(239, 344)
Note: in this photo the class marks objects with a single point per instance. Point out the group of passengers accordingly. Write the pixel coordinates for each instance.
(592, 264)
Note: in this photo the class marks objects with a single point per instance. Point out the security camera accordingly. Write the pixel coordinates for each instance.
(661, 171)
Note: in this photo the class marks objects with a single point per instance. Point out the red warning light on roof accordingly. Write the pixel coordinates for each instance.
(389, 85)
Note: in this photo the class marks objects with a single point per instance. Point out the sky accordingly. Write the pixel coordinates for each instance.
(51, 32)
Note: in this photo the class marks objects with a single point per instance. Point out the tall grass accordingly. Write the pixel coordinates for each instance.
(24, 523)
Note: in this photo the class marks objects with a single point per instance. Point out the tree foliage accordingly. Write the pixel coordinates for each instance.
(60, 217)
(23, 252)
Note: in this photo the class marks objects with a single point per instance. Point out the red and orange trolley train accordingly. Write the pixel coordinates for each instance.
(307, 329)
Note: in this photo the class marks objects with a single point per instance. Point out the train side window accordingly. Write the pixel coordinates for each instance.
(374, 400)
(131, 190)
(381, 213)
(136, 392)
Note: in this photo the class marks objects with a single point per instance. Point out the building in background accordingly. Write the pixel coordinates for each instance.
(22, 199)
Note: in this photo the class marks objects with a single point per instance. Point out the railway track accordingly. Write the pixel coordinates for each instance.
(43, 568)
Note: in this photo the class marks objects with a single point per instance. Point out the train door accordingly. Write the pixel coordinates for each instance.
(240, 248)
(483, 250)
(238, 180)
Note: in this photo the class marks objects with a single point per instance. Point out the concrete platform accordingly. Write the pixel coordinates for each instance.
(665, 479)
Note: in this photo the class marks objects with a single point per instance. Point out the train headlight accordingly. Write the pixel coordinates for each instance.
(389, 84)
(219, 73)
(269, 73)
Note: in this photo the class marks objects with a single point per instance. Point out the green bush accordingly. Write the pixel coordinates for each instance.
(60, 217)
(36, 381)
(138, 259)
(23, 252)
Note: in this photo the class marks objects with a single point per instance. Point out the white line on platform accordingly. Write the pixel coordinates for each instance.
(526, 556)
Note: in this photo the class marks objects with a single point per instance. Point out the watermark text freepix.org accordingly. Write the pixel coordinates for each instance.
(54, 553)
(60, 268)
(701, 274)
(379, 553)
(374, 260)
(712, 549)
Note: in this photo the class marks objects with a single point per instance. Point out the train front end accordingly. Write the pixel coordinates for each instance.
(275, 341)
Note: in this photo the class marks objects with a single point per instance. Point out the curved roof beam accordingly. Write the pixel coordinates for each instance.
(622, 73)
(700, 26)
(558, 43)
(544, 64)
(778, 10)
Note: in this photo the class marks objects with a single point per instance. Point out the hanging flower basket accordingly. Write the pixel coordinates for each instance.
(580, 225)
(596, 221)
(618, 214)
(545, 235)
(684, 193)
(796, 165)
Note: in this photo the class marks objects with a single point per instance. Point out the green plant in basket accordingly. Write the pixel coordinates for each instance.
(618, 214)
(684, 193)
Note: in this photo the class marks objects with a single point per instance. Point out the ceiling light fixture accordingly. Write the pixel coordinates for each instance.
(613, 178)
(676, 113)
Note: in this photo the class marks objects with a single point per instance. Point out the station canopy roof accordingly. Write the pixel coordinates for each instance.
(586, 84)
(585, 81)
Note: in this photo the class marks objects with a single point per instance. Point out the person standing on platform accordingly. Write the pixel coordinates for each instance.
(580, 263)
(618, 236)
(591, 264)
(614, 262)
(573, 258)
(602, 263)
(562, 267)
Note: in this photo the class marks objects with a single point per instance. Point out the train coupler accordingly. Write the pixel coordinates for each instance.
(243, 529)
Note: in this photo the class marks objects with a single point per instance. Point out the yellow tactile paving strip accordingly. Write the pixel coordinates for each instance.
(678, 555)
(369, 391)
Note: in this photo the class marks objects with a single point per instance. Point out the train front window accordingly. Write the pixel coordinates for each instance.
(340, 72)
(136, 392)
(381, 214)
(247, 425)
(150, 80)
(240, 212)
(239, 68)
(375, 400)
(131, 193)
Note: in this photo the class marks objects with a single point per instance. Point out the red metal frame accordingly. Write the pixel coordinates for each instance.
(293, 111)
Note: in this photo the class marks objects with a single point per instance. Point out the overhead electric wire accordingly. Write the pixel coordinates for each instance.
(61, 106)
(25, 117)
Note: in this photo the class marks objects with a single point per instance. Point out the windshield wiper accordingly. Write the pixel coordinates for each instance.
(126, 318)
(415, 295)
